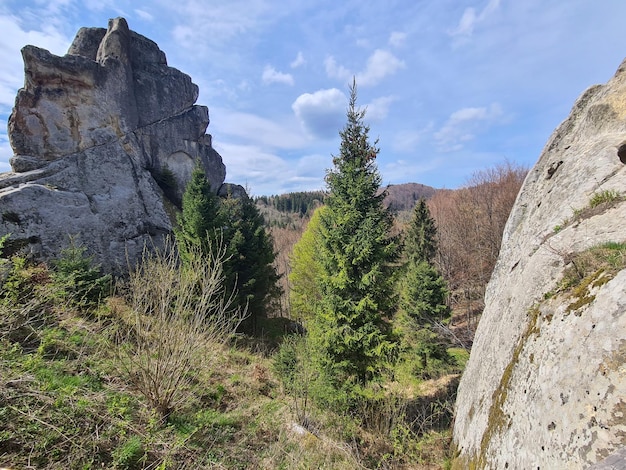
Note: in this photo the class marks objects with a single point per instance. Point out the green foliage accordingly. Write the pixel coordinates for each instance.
(420, 242)
(78, 282)
(200, 221)
(356, 251)
(298, 202)
(130, 454)
(166, 180)
(248, 265)
(208, 222)
(424, 354)
(24, 280)
(608, 257)
(423, 293)
(305, 294)
(299, 375)
(3, 240)
(603, 197)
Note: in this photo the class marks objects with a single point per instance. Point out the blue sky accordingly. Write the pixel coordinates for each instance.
(451, 86)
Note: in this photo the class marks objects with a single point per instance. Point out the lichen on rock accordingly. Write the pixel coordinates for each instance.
(537, 391)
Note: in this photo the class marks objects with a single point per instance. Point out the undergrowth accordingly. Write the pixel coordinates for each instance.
(65, 402)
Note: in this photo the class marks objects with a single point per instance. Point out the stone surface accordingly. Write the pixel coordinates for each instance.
(92, 132)
(545, 386)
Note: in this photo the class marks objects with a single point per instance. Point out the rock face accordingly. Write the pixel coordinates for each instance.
(545, 386)
(105, 138)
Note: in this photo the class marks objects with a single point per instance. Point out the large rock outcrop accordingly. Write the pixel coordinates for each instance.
(545, 386)
(105, 138)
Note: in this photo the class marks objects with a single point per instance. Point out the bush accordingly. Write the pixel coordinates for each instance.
(602, 197)
(178, 311)
(79, 282)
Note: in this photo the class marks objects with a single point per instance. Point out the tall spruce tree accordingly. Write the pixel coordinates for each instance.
(250, 256)
(356, 251)
(422, 294)
(421, 238)
(200, 221)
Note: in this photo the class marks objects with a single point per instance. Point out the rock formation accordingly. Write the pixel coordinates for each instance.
(545, 386)
(104, 138)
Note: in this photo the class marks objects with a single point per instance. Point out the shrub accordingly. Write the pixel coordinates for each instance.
(606, 196)
(79, 282)
(178, 311)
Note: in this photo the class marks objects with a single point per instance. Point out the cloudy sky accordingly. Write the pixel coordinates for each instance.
(450, 86)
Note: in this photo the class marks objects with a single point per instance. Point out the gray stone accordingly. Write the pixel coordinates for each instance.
(545, 386)
(92, 132)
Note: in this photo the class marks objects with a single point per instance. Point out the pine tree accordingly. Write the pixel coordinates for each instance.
(421, 237)
(200, 222)
(356, 252)
(250, 254)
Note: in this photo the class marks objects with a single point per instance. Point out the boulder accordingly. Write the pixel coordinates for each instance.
(545, 385)
(104, 140)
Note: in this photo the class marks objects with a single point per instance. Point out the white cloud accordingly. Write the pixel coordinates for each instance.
(406, 141)
(13, 38)
(462, 126)
(219, 23)
(266, 173)
(378, 108)
(321, 113)
(379, 65)
(398, 170)
(298, 61)
(470, 19)
(271, 75)
(16, 35)
(333, 70)
(256, 130)
(397, 39)
(144, 15)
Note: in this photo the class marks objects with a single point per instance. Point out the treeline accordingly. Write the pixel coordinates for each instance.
(303, 202)
(470, 223)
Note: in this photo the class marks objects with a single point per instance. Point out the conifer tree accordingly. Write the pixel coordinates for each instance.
(422, 292)
(356, 251)
(421, 237)
(200, 221)
(250, 254)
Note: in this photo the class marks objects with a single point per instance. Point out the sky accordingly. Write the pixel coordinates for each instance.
(450, 87)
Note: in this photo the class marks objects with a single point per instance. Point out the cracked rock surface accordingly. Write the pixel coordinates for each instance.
(93, 133)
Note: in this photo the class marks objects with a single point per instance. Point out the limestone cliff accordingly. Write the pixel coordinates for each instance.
(94, 134)
(545, 386)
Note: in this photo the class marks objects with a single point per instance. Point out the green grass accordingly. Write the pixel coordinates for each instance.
(604, 197)
(64, 403)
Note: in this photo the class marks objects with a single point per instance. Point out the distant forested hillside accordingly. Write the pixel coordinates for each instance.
(402, 197)
(300, 202)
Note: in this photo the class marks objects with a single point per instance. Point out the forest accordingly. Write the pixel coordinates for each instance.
(309, 330)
